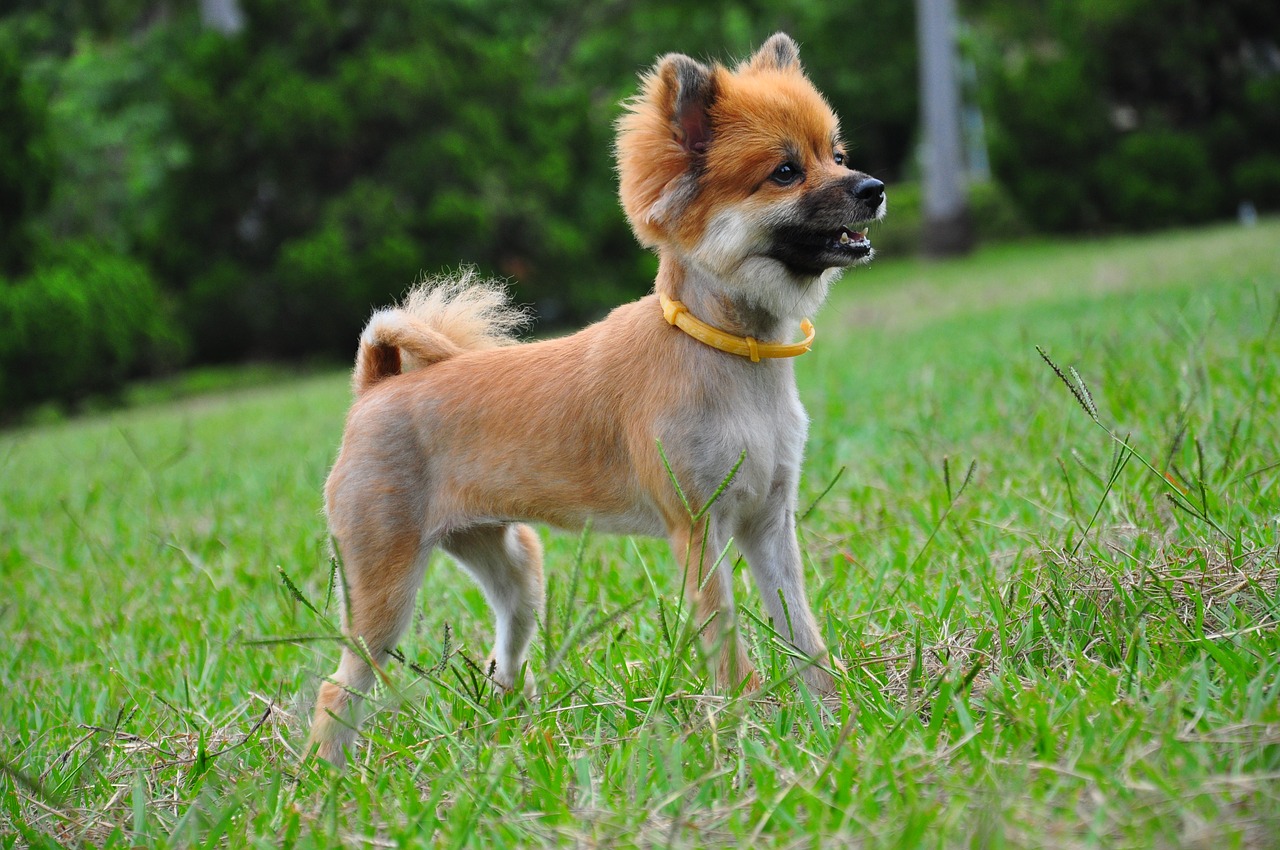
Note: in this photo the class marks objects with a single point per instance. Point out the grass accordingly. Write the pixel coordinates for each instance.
(1060, 628)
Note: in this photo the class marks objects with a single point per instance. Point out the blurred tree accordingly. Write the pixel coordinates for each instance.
(116, 142)
(55, 27)
(76, 314)
(1139, 113)
(339, 148)
(26, 163)
(285, 178)
(82, 323)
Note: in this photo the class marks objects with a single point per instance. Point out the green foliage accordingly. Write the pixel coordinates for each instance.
(371, 155)
(55, 27)
(26, 161)
(115, 143)
(337, 153)
(336, 272)
(1258, 180)
(1159, 178)
(1050, 122)
(1138, 114)
(83, 322)
(1257, 176)
(284, 181)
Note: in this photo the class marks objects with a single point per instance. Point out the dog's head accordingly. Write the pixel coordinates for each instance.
(744, 172)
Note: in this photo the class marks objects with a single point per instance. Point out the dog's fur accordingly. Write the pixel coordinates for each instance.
(480, 435)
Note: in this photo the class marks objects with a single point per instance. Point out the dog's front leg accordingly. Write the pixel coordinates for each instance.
(770, 546)
(708, 591)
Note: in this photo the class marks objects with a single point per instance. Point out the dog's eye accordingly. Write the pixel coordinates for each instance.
(786, 174)
(839, 158)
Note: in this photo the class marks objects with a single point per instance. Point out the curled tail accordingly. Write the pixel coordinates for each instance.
(440, 317)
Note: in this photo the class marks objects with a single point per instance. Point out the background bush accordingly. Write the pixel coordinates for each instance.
(338, 150)
(1135, 115)
(82, 323)
(1159, 178)
(1050, 123)
(26, 161)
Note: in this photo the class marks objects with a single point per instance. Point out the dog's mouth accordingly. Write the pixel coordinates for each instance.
(811, 250)
(852, 242)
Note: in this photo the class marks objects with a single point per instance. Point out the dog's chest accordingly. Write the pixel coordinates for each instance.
(762, 423)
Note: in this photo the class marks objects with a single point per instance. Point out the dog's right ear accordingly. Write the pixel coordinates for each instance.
(687, 92)
(779, 53)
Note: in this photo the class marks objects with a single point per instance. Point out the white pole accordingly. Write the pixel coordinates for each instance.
(222, 15)
(946, 208)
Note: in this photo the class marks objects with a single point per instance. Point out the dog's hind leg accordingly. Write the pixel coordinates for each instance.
(381, 573)
(708, 590)
(506, 561)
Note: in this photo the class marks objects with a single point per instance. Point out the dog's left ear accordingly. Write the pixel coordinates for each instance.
(779, 53)
(687, 90)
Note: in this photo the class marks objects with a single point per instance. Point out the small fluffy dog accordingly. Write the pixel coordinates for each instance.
(740, 181)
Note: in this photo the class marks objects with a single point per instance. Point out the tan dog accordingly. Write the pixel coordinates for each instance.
(739, 180)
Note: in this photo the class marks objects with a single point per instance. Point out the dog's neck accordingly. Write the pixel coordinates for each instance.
(712, 301)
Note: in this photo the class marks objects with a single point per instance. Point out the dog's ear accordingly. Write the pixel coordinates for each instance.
(687, 91)
(663, 138)
(779, 53)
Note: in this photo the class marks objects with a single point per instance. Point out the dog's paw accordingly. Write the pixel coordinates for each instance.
(521, 681)
(329, 742)
(819, 676)
(735, 673)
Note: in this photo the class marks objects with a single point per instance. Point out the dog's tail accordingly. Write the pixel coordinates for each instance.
(440, 318)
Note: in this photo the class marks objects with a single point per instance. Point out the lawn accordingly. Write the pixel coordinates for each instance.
(1041, 518)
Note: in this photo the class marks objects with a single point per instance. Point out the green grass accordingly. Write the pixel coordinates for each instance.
(1059, 631)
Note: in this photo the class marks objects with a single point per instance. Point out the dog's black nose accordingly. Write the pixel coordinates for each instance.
(870, 190)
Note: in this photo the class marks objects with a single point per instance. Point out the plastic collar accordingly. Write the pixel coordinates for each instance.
(677, 314)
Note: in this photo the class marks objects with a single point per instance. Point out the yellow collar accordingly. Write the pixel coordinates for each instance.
(676, 313)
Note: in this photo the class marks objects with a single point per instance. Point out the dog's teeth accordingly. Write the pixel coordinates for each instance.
(844, 237)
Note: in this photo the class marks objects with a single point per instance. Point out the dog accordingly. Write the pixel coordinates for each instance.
(458, 436)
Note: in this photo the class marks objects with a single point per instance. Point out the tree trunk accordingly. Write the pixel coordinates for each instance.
(948, 230)
(222, 15)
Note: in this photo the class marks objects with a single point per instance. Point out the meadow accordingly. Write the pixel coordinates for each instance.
(1041, 521)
